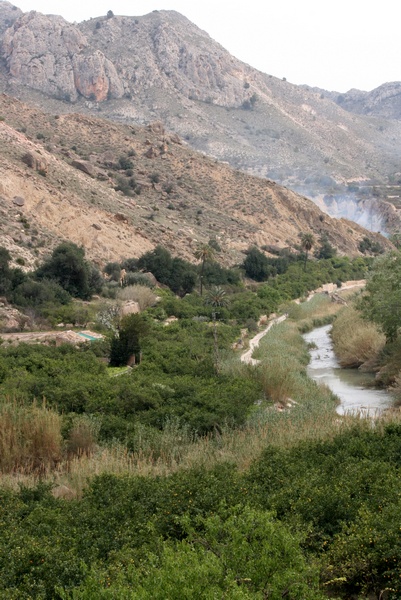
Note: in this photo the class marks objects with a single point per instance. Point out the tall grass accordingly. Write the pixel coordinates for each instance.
(318, 311)
(355, 340)
(30, 438)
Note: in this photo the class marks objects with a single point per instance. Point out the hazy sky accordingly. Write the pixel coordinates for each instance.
(335, 45)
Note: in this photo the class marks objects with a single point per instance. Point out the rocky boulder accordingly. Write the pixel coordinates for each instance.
(34, 161)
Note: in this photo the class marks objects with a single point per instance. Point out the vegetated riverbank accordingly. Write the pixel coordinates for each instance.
(149, 451)
(360, 344)
(357, 342)
(298, 502)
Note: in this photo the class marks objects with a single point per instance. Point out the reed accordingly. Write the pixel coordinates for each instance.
(355, 340)
(30, 438)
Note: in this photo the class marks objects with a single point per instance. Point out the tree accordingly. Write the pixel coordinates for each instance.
(307, 243)
(217, 299)
(158, 262)
(113, 270)
(5, 271)
(67, 267)
(382, 301)
(177, 273)
(204, 253)
(256, 265)
(127, 343)
(182, 277)
(326, 250)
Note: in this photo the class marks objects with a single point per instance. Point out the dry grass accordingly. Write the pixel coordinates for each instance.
(82, 437)
(30, 438)
(312, 417)
(138, 293)
(355, 341)
(240, 447)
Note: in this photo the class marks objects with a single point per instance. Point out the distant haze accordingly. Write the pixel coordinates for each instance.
(332, 45)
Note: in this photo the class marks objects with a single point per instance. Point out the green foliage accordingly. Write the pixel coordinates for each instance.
(125, 163)
(5, 270)
(178, 274)
(325, 250)
(369, 246)
(32, 293)
(307, 243)
(382, 301)
(67, 267)
(113, 270)
(256, 265)
(127, 343)
(215, 274)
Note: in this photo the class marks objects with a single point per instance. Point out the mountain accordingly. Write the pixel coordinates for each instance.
(382, 102)
(120, 190)
(162, 67)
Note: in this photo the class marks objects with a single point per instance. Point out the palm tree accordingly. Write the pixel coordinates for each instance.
(307, 243)
(204, 253)
(217, 299)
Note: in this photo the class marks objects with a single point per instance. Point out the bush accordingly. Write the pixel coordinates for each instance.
(67, 267)
(138, 293)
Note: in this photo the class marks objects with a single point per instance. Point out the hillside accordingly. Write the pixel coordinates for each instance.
(162, 67)
(119, 190)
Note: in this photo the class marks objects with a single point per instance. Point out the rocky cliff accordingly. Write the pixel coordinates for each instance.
(162, 67)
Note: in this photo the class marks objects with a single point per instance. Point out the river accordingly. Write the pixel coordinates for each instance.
(350, 385)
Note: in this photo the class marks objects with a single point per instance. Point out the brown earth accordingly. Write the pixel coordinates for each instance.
(58, 180)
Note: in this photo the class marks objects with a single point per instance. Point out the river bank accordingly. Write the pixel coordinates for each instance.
(350, 385)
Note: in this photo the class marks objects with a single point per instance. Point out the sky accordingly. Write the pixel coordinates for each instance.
(335, 45)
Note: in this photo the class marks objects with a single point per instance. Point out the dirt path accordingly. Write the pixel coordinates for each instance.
(246, 357)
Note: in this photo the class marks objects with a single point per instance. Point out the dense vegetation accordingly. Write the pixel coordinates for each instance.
(331, 507)
(313, 510)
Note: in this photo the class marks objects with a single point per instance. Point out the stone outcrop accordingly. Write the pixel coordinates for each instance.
(53, 56)
(36, 162)
(85, 167)
(12, 319)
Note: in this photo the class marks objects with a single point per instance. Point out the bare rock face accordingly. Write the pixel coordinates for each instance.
(96, 77)
(48, 54)
(11, 319)
(8, 14)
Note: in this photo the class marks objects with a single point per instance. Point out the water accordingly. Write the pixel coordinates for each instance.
(88, 337)
(350, 385)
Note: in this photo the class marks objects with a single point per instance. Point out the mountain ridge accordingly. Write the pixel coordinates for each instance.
(161, 66)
